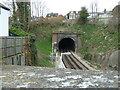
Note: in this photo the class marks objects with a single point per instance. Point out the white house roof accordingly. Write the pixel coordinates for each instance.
(2, 6)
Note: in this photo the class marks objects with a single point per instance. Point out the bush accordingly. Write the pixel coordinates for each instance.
(17, 25)
(43, 28)
(19, 32)
(33, 50)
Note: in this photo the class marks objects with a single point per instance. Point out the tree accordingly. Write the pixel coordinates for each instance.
(38, 8)
(83, 16)
(20, 12)
(24, 14)
(14, 11)
(94, 12)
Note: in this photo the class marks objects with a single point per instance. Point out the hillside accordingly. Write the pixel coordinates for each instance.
(44, 48)
(98, 42)
(42, 29)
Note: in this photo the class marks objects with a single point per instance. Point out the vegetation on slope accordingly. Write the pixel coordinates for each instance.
(19, 32)
(43, 30)
(22, 24)
(97, 39)
(44, 49)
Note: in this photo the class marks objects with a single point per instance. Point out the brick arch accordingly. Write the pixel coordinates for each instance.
(57, 37)
(66, 44)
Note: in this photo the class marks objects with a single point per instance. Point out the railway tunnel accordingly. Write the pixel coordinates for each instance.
(66, 44)
(66, 41)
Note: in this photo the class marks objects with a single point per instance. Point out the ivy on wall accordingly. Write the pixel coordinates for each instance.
(33, 50)
(30, 49)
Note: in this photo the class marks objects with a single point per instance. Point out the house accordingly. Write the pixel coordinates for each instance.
(93, 15)
(103, 17)
(50, 15)
(60, 15)
(72, 15)
(4, 20)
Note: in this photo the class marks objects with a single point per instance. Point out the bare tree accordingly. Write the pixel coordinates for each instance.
(44, 9)
(94, 11)
(14, 7)
(96, 7)
(39, 8)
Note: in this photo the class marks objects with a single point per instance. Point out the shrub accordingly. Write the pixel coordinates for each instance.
(19, 32)
(44, 27)
(17, 25)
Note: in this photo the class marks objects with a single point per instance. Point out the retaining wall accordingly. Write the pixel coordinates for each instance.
(13, 50)
(108, 60)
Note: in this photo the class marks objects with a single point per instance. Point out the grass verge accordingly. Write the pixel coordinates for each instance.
(44, 48)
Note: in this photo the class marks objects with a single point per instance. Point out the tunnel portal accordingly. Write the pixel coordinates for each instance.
(66, 44)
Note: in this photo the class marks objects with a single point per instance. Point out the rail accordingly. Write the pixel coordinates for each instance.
(71, 61)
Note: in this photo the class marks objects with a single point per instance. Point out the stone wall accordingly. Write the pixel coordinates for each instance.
(108, 60)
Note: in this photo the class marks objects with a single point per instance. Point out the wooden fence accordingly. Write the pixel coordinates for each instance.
(13, 50)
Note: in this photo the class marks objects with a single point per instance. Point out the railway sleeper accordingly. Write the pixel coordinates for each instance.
(84, 65)
(66, 63)
(73, 65)
(78, 63)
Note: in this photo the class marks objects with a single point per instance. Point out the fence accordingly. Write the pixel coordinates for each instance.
(13, 50)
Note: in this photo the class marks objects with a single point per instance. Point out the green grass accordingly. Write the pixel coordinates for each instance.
(43, 31)
(44, 48)
(19, 32)
(94, 41)
(44, 63)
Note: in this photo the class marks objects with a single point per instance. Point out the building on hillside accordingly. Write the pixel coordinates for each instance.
(50, 15)
(93, 15)
(105, 17)
(4, 20)
(35, 18)
(72, 15)
(61, 15)
(100, 16)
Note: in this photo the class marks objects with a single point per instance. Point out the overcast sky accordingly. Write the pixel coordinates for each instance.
(64, 6)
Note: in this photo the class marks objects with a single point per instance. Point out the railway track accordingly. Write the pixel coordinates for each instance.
(72, 62)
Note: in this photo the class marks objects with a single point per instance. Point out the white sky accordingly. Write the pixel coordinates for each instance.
(64, 6)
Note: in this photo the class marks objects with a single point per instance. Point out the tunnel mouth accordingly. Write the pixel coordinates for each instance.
(66, 45)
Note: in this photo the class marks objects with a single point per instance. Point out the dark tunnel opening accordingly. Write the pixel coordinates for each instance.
(66, 44)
